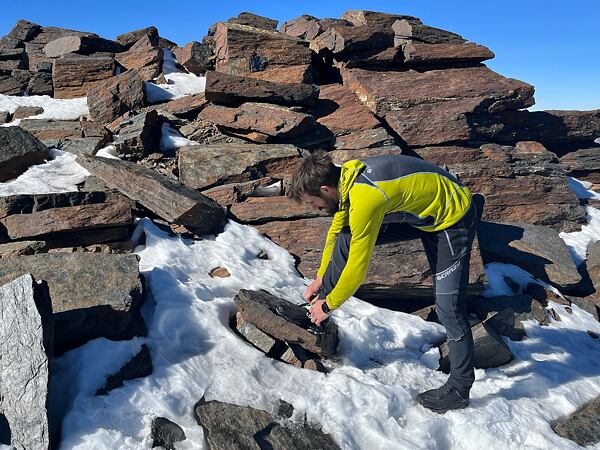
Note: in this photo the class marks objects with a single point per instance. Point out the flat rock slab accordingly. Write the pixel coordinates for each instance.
(536, 249)
(169, 199)
(26, 347)
(18, 151)
(84, 308)
(583, 426)
(490, 349)
(235, 89)
(202, 166)
(433, 107)
(521, 184)
(114, 97)
(73, 75)
(19, 248)
(583, 164)
(84, 45)
(233, 427)
(259, 210)
(286, 322)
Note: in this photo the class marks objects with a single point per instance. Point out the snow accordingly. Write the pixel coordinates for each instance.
(54, 108)
(179, 84)
(172, 139)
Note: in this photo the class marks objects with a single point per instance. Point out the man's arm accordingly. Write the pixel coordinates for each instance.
(340, 220)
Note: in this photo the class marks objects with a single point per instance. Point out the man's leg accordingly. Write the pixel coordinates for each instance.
(449, 253)
(391, 232)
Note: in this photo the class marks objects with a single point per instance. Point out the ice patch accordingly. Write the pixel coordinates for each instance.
(172, 139)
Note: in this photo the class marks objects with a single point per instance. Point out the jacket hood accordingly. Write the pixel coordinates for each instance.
(349, 171)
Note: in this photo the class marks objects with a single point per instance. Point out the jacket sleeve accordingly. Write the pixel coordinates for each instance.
(365, 217)
(340, 220)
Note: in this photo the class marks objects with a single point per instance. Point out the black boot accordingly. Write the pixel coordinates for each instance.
(443, 399)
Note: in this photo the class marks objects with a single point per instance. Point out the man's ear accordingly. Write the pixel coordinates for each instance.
(326, 189)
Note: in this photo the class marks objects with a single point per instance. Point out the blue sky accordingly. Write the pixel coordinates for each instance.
(551, 44)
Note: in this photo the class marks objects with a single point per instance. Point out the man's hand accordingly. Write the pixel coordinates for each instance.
(316, 312)
(312, 290)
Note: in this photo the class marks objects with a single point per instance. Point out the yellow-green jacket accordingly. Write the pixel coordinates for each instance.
(383, 189)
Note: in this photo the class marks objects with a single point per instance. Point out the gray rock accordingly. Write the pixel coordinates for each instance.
(83, 145)
(83, 307)
(84, 45)
(166, 433)
(254, 335)
(583, 164)
(145, 56)
(583, 426)
(169, 199)
(490, 349)
(234, 427)
(26, 346)
(23, 112)
(254, 20)
(139, 134)
(202, 166)
(40, 84)
(286, 322)
(18, 151)
(4, 117)
(137, 367)
(21, 248)
(537, 249)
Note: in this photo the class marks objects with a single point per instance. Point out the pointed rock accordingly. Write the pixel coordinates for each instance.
(18, 151)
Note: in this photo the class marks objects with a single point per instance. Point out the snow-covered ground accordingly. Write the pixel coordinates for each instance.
(54, 108)
(366, 402)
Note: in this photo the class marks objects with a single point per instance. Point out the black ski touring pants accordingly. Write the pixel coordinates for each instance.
(448, 252)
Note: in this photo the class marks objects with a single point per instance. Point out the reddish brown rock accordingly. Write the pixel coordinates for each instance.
(583, 164)
(84, 45)
(266, 209)
(235, 89)
(304, 27)
(230, 193)
(183, 106)
(290, 74)
(12, 249)
(54, 132)
(523, 184)
(254, 20)
(11, 59)
(130, 38)
(433, 107)
(144, 55)
(114, 97)
(420, 54)
(353, 125)
(196, 57)
(374, 19)
(241, 49)
(73, 75)
(272, 120)
(139, 134)
(23, 112)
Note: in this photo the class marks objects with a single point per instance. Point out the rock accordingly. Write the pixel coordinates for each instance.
(196, 57)
(238, 192)
(297, 356)
(9, 85)
(536, 249)
(83, 308)
(139, 134)
(26, 346)
(114, 212)
(166, 433)
(544, 294)
(168, 199)
(11, 59)
(374, 19)
(13, 249)
(304, 27)
(270, 120)
(40, 84)
(341, 156)
(583, 426)
(219, 272)
(593, 264)
(590, 304)
(253, 20)
(490, 349)
(207, 133)
(185, 106)
(87, 145)
(417, 54)
(27, 111)
(138, 367)
(54, 133)
(83, 45)
(240, 49)
(128, 39)
(260, 210)
(418, 105)
(24, 31)
(524, 184)
(230, 426)
(505, 315)
(202, 166)
(302, 73)
(4, 117)
(287, 322)
(397, 270)
(255, 336)
(73, 75)
(18, 151)
(583, 164)
(114, 97)
(351, 122)
(145, 56)
(234, 89)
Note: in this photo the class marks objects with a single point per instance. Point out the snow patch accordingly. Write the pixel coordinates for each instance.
(172, 139)
(54, 108)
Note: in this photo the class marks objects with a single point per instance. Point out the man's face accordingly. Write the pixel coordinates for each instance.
(327, 201)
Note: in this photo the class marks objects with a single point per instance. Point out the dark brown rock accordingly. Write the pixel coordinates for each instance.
(166, 433)
(196, 57)
(145, 56)
(234, 89)
(140, 134)
(130, 38)
(9, 85)
(20, 248)
(421, 54)
(4, 117)
(51, 131)
(254, 20)
(302, 73)
(266, 209)
(184, 106)
(271, 120)
(418, 105)
(304, 27)
(85, 145)
(287, 322)
(138, 367)
(27, 111)
(18, 151)
(114, 97)
(241, 49)
(352, 123)
(208, 133)
(238, 192)
(73, 75)
(11, 59)
(84, 45)
(524, 184)
(202, 166)
(583, 164)
(40, 84)
(374, 19)
(170, 200)
(583, 426)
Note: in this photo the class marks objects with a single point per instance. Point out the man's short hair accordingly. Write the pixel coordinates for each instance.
(316, 170)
